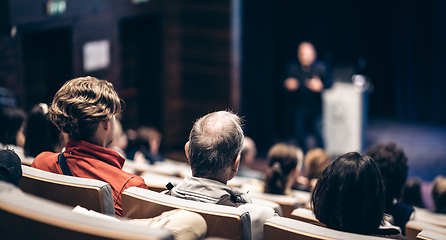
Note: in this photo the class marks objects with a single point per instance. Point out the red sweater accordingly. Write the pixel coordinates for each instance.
(87, 160)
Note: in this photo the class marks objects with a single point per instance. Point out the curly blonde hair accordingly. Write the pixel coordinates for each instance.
(81, 103)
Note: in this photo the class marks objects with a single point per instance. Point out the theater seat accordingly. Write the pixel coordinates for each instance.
(287, 203)
(27, 161)
(275, 206)
(305, 215)
(427, 216)
(414, 227)
(286, 228)
(25, 216)
(429, 235)
(157, 182)
(72, 191)
(222, 221)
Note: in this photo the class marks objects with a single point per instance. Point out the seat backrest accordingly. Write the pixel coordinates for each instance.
(157, 182)
(222, 221)
(72, 191)
(166, 167)
(287, 203)
(414, 227)
(25, 216)
(286, 228)
(429, 235)
(305, 215)
(428, 216)
(275, 206)
(27, 161)
(303, 197)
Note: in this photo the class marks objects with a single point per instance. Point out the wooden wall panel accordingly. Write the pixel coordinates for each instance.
(206, 77)
(10, 63)
(195, 55)
(172, 81)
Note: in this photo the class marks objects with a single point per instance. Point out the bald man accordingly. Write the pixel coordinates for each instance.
(213, 150)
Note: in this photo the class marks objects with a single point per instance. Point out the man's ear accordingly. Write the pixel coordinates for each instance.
(186, 149)
(236, 164)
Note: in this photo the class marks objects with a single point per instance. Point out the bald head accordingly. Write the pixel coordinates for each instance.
(306, 53)
(215, 141)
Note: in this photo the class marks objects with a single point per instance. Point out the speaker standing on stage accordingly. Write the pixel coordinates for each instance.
(304, 81)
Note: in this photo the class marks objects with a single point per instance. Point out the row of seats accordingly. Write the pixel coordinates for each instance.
(413, 227)
(25, 216)
(72, 191)
(222, 221)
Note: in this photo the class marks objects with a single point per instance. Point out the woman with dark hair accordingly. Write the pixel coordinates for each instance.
(285, 162)
(349, 196)
(41, 134)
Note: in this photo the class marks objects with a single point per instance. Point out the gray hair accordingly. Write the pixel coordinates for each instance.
(214, 142)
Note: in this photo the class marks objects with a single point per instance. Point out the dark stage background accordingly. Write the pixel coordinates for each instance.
(174, 61)
(403, 43)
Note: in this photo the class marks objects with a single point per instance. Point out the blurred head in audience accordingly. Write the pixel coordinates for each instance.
(412, 193)
(120, 140)
(249, 152)
(144, 144)
(41, 134)
(12, 124)
(214, 146)
(285, 162)
(10, 167)
(392, 163)
(316, 160)
(150, 138)
(349, 195)
(439, 194)
(85, 109)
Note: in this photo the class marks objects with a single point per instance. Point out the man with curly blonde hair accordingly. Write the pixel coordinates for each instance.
(85, 109)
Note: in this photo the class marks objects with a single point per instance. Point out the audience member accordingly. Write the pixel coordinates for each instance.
(392, 163)
(316, 160)
(12, 125)
(411, 194)
(285, 163)
(349, 196)
(439, 194)
(146, 145)
(41, 133)
(120, 140)
(10, 167)
(85, 109)
(247, 157)
(214, 147)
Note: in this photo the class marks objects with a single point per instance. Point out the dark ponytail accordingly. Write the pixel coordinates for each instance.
(283, 159)
(275, 181)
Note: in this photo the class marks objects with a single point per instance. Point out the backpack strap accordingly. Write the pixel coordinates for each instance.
(63, 165)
